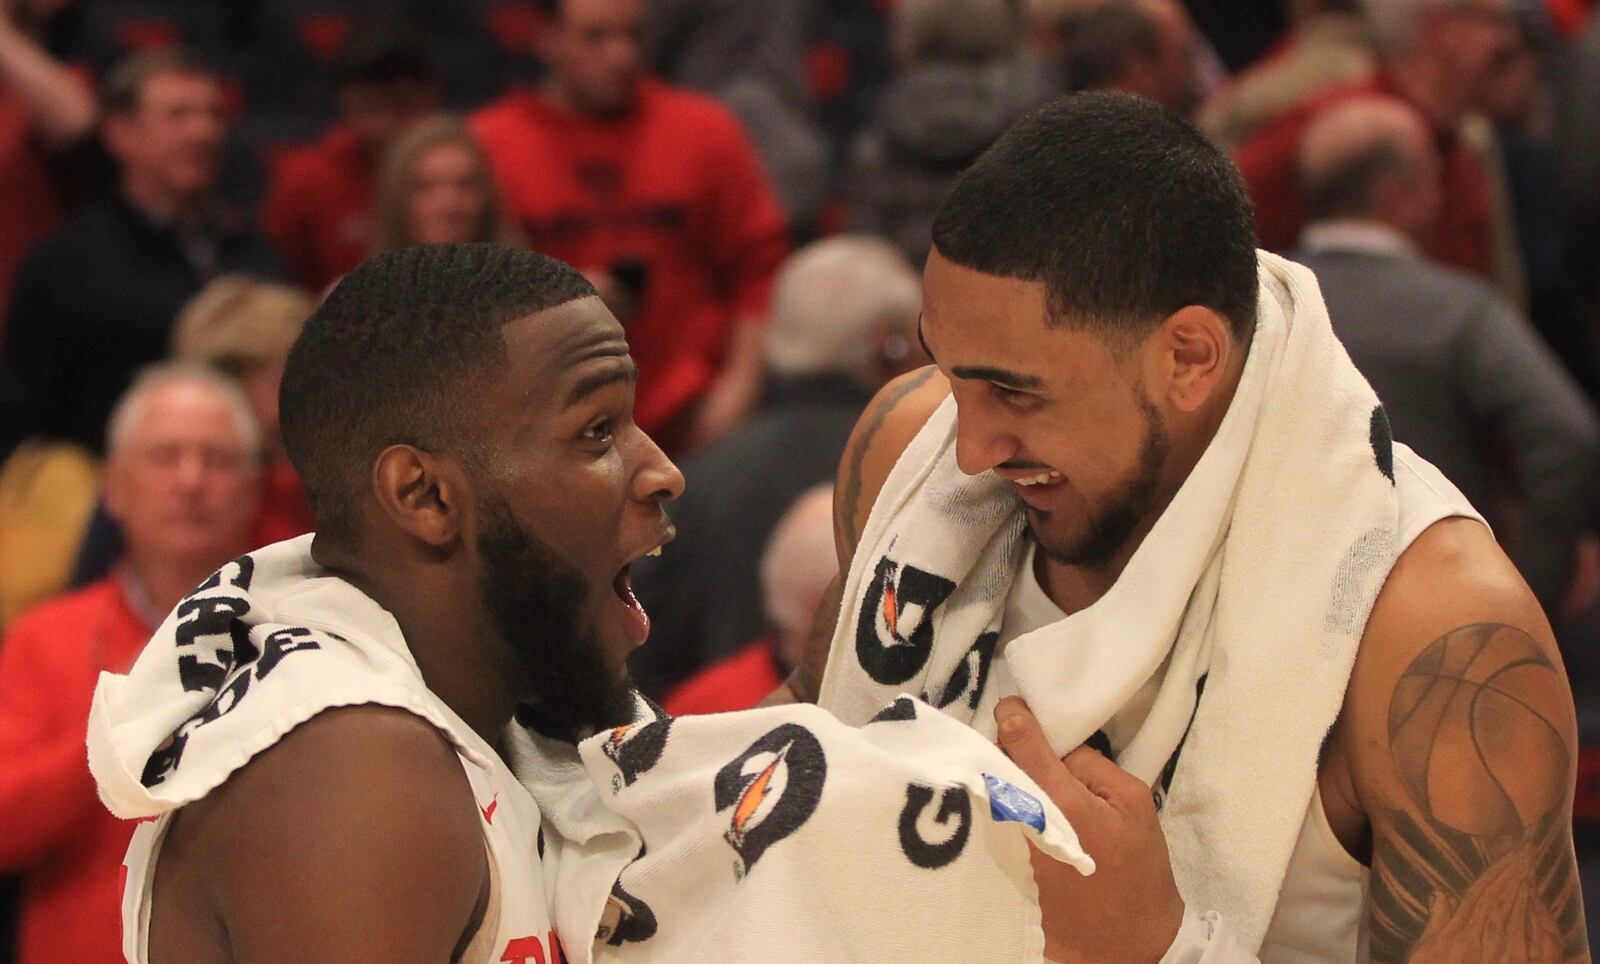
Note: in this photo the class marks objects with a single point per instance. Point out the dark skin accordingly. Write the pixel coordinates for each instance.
(1451, 766)
(361, 822)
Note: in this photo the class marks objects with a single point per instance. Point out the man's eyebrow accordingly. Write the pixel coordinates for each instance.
(627, 371)
(999, 376)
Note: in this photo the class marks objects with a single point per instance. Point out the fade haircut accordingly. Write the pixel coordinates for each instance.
(384, 360)
(1123, 210)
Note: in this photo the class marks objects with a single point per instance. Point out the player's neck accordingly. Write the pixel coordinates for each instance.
(445, 633)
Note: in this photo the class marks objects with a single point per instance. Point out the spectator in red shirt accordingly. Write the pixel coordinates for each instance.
(1438, 58)
(435, 188)
(656, 194)
(181, 479)
(318, 210)
(796, 569)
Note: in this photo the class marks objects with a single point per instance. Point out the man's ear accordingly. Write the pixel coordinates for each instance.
(1194, 347)
(421, 493)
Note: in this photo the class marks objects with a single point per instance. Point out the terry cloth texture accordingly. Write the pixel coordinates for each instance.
(266, 643)
(782, 834)
(1253, 589)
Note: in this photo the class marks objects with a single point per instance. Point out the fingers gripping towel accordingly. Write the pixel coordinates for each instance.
(1249, 595)
(781, 834)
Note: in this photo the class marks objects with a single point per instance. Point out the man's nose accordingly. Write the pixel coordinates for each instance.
(981, 443)
(659, 480)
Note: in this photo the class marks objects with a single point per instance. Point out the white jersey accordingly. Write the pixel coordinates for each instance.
(265, 644)
(516, 926)
(1321, 909)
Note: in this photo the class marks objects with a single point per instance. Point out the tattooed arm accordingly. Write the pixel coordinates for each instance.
(889, 423)
(1462, 748)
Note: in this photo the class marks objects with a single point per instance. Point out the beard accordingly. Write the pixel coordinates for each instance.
(535, 602)
(1110, 528)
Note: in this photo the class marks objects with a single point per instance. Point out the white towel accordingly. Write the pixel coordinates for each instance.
(261, 646)
(1252, 590)
(772, 835)
(781, 834)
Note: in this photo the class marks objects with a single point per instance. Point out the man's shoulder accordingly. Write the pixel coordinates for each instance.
(1453, 574)
(1451, 592)
(690, 113)
(84, 234)
(1286, 127)
(356, 800)
(331, 153)
(1387, 284)
(515, 114)
(69, 612)
(891, 420)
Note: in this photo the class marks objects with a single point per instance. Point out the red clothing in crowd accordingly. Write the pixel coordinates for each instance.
(736, 683)
(1268, 159)
(671, 195)
(318, 211)
(284, 511)
(30, 206)
(55, 834)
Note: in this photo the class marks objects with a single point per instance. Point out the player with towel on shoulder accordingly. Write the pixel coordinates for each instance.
(410, 736)
(1144, 524)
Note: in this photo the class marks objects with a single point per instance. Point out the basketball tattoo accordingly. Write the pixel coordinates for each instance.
(1482, 867)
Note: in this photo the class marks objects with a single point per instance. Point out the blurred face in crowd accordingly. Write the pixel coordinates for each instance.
(170, 143)
(448, 199)
(380, 112)
(1171, 73)
(180, 478)
(595, 49)
(1476, 40)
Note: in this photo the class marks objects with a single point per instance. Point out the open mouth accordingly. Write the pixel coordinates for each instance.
(1038, 490)
(636, 620)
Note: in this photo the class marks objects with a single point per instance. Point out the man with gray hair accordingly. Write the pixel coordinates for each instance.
(960, 76)
(1438, 57)
(181, 476)
(1462, 374)
(844, 315)
(96, 301)
(797, 568)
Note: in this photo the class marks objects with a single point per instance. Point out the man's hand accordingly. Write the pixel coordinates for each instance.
(1130, 909)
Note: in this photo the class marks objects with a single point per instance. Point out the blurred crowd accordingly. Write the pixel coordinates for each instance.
(750, 184)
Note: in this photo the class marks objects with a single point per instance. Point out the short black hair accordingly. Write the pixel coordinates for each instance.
(123, 89)
(383, 51)
(1119, 206)
(383, 360)
(1100, 43)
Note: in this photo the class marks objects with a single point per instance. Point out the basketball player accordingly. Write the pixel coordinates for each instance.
(1090, 303)
(462, 417)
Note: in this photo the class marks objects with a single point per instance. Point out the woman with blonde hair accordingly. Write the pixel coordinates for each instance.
(243, 327)
(435, 188)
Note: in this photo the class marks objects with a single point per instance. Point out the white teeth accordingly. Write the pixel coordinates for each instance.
(654, 552)
(1039, 479)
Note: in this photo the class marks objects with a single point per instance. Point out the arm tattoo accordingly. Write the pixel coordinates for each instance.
(1482, 868)
(844, 522)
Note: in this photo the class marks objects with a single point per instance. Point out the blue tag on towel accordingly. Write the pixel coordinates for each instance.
(1009, 802)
